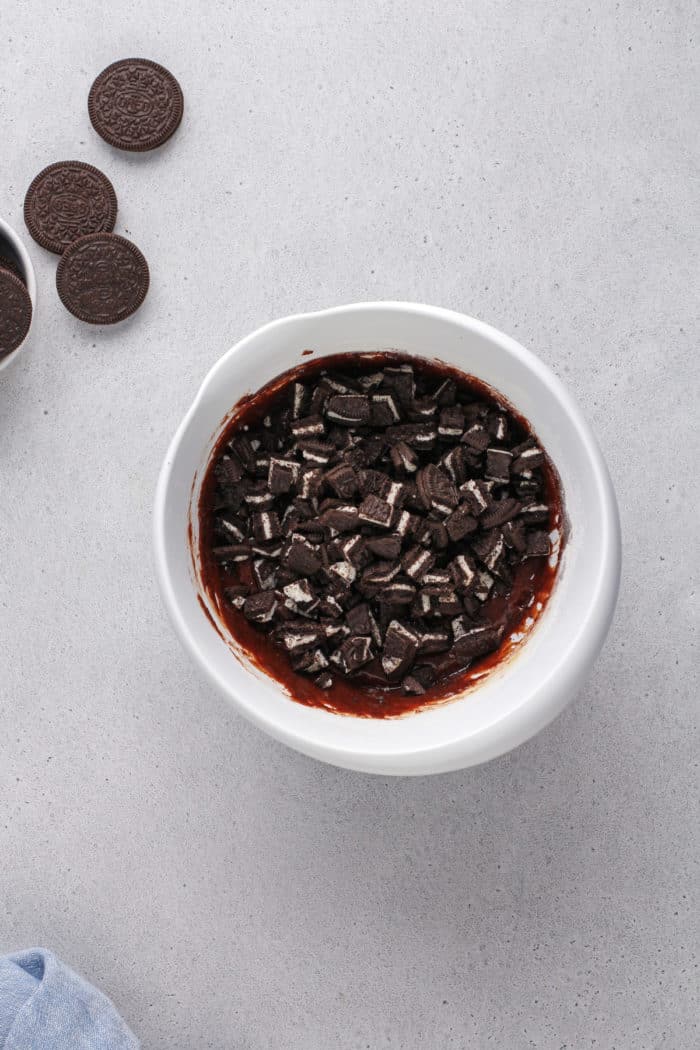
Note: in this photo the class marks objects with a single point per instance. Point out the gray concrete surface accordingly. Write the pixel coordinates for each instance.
(531, 164)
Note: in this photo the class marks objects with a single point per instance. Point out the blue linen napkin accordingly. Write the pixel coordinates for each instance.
(45, 1006)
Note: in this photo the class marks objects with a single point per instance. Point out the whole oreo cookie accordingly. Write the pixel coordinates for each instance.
(15, 312)
(135, 104)
(102, 278)
(68, 200)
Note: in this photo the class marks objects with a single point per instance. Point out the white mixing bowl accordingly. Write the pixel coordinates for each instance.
(524, 693)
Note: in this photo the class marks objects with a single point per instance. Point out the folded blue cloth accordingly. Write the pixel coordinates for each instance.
(45, 1006)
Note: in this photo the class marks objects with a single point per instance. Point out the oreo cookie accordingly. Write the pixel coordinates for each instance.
(68, 200)
(102, 278)
(135, 104)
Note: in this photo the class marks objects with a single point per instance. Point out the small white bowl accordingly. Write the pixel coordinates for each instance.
(524, 693)
(21, 254)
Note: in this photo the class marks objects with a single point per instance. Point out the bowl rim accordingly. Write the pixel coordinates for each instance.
(542, 702)
(15, 240)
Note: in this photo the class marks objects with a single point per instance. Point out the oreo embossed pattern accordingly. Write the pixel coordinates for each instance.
(102, 278)
(135, 104)
(378, 531)
(68, 200)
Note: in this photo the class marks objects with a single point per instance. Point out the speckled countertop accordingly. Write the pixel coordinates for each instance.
(531, 165)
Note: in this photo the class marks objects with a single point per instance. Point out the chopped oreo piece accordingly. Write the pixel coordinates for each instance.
(439, 536)
(419, 436)
(267, 549)
(258, 497)
(299, 637)
(233, 553)
(310, 482)
(437, 578)
(343, 518)
(529, 459)
(266, 525)
(455, 462)
(342, 479)
(498, 427)
(446, 393)
(537, 545)
(404, 458)
(400, 379)
(384, 546)
(397, 493)
(354, 549)
(405, 523)
(498, 462)
(302, 557)
(436, 490)
(356, 652)
(282, 475)
(463, 572)
(422, 408)
(533, 513)
(417, 561)
(451, 423)
(375, 511)
(399, 651)
(476, 436)
(477, 641)
(384, 410)
(229, 470)
(265, 573)
(490, 548)
(377, 577)
(435, 640)
(233, 530)
(484, 584)
(460, 523)
(236, 594)
(300, 592)
(476, 496)
(528, 483)
(316, 452)
(244, 452)
(500, 512)
(370, 382)
(310, 662)
(348, 409)
(342, 572)
(299, 400)
(399, 592)
(374, 483)
(260, 607)
(308, 427)
(514, 535)
(361, 621)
